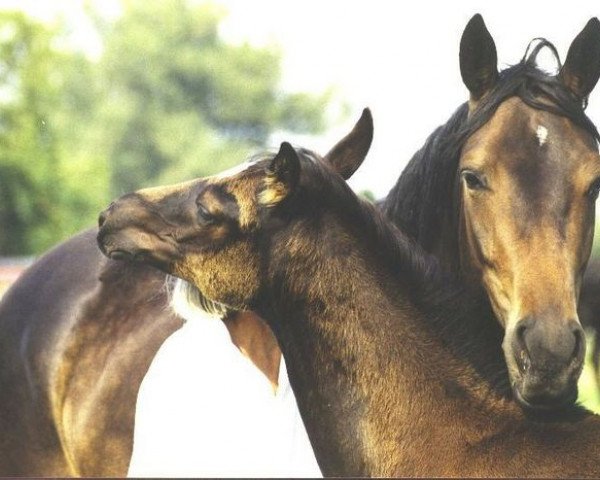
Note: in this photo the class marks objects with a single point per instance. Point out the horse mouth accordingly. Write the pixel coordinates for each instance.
(138, 255)
(545, 403)
(118, 254)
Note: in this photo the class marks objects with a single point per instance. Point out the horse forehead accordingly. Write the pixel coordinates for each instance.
(243, 184)
(524, 141)
(532, 157)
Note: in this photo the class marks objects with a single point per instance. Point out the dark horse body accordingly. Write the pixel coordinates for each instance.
(78, 333)
(380, 345)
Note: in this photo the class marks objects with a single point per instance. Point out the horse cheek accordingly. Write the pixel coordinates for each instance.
(229, 277)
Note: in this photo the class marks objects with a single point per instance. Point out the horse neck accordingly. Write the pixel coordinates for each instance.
(364, 363)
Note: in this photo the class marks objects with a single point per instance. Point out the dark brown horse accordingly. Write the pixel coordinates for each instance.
(77, 335)
(391, 375)
(505, 193)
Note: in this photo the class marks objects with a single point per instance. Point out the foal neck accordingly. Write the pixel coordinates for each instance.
(368, 367)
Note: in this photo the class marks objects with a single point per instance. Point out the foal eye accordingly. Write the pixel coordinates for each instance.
(473, 180)
(204, 215)
(594, 189)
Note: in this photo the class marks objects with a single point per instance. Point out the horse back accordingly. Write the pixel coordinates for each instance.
(77, 335)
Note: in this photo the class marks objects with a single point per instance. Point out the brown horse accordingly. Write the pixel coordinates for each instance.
(78, 333)
(391, 374)
(505, 193)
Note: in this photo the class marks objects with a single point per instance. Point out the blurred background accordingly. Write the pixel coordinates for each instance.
(101, 97)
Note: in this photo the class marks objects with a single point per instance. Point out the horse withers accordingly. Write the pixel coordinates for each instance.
(505, 192)
(373, 331)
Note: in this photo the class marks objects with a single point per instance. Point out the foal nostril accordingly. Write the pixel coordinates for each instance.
(101, 219)
(104, 214)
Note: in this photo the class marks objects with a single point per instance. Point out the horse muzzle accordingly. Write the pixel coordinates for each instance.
(123, 238)
(546, 359)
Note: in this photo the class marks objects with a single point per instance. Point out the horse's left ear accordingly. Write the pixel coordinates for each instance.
(282, 176)
(478, 58)
(348, 154)
(581, 70)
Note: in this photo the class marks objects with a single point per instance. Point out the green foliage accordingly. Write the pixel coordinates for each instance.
(168, 100)
(596, 244)
(38, 117)
(367, 195)
(184, 103)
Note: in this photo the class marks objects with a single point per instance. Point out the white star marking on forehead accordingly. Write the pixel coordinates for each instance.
(542, 134)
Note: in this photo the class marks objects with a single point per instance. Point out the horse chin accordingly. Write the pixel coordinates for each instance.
(544, 402)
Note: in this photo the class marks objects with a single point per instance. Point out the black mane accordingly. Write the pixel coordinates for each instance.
(322, 185)
(451, 309)
(420, 201)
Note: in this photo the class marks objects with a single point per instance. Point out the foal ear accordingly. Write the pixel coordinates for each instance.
(478, 58)
(582, 66)
(348, 154)
(282, 177)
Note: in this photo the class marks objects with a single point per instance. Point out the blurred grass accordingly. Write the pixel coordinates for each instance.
(589, 394)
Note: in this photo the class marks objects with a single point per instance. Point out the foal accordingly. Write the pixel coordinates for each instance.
(388, 373)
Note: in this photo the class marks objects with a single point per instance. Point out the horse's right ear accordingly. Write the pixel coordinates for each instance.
(478, 58)
(282, 177)
(581, 70)
(348, 154)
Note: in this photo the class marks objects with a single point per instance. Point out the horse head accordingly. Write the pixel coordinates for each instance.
(212, 231)
(528, 176)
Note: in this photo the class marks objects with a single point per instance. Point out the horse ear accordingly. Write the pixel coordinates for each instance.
(282, 177)
(478, 58)
(582, 66)
(348, 154)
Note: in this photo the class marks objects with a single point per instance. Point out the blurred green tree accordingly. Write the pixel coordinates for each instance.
(40, 122)
(167, 100)
(182, 102)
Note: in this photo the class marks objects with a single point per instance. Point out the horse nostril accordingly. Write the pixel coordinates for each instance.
(521, 351)
(521, 336)
(579, 348)
(104, 214)
(101, 219)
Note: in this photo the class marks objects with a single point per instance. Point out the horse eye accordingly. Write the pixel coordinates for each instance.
(473, 180)
(594, 189)
(204, 215)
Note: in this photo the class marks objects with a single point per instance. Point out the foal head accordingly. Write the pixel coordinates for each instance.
(215, 232)
(528, 179)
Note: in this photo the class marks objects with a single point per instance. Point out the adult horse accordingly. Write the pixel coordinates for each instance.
(392, 374)
(78, 334)
(505, 193)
